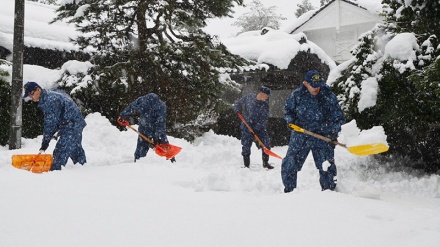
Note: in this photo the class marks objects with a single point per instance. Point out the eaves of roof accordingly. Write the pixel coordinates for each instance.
(321, 9)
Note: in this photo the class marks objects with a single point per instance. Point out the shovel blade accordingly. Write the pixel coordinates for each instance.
(167, 150)
(270, 153)
(36, 163)
(368, 149)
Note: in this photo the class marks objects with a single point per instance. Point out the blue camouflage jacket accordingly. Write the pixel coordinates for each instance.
(255, 112)
(60, 113)
(152, 111)
(320, 114)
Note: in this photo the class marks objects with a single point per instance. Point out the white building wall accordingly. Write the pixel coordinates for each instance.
(336, 28)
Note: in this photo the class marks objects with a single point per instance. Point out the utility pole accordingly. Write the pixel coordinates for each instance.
(17, 77)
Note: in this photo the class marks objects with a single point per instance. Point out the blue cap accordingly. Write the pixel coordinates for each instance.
(314, 78)
(29, 87)
(265, 90)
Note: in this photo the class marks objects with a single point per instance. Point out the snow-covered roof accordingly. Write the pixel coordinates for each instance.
(372, 6)
(37, 30)
(275, 47)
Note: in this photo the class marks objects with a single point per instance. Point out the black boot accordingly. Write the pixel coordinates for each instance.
(267, 165)
(247, 161)
(266, 162)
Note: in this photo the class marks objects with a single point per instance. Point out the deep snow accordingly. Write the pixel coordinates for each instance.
(206, 198)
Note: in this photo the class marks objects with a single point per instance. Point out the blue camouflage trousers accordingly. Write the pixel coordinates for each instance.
(247, 139)
(141, 149)
(299, 147)
(68, 146)
(143, 146)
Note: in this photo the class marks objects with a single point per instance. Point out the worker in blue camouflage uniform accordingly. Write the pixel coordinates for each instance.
(255, 108)
(152, 122)
(314, 107)
(62, 115)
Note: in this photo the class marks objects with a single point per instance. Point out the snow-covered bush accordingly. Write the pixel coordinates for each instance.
(402, 56)
(32, 118)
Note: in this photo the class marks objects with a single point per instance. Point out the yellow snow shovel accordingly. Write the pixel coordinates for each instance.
(360, 150)
(36, 163)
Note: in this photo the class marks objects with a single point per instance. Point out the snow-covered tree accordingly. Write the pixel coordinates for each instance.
(303, 7)
(259, 17)
(394, 81)
(324, 2)
(150, 46)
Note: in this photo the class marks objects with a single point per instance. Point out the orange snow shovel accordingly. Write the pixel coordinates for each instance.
(36, 163)
(267, 151)
(165, 150)
(360, 150)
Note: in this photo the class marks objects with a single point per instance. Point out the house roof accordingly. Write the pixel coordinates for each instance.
(373, 6)
(37, 30)
(275, 47)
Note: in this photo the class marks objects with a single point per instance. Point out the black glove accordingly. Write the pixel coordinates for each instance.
(157, 140)
(44, 146)
(257, 144)
(55, 137)
(160, 139)
(333, 137)
(151, 144)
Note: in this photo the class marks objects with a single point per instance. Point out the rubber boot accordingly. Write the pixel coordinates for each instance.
(247, 161)
(266, 161)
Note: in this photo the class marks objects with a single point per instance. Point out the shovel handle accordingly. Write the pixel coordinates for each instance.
(125, 123)
(164, 149)
(250, 129)
(265, 149)
(360, 150)
(301, 130)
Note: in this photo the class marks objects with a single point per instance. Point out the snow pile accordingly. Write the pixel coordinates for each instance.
(402, 47)
(216, 162)
(206, 198)
(351, 135)
(46, 78)
(369, 90)
(37, 30)
(274, 47)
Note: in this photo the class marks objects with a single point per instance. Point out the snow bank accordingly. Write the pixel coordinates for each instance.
(206, 198)
(275, 47)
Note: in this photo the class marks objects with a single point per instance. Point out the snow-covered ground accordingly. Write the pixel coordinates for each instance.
(206, 198)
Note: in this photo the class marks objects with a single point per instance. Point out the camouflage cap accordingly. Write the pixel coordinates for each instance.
(314, 78)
